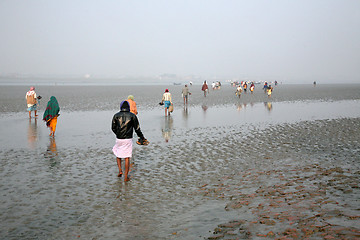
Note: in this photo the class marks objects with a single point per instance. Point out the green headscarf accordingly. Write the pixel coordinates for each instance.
(52, 109)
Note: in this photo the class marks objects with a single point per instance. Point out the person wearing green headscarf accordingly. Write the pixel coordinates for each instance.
(51, 114)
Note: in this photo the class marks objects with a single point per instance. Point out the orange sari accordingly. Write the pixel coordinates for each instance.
(52, 124)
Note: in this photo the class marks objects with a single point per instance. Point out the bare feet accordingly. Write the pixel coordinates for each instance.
(127, 179)
(120, 174)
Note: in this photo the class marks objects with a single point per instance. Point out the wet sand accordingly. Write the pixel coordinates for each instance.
(222, 168)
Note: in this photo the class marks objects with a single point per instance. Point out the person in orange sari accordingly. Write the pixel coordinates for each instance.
(51, 114)
(132, 104)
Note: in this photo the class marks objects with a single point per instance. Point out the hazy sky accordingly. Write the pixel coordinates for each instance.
(302, 40)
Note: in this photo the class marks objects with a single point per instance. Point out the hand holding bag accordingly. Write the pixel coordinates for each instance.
(171, 108)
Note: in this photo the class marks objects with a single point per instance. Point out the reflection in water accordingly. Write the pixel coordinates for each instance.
(204, 107)
(268, 106)
(240, 106)
(185, 112)
(167, 128)
(51, 153)
(32, 134)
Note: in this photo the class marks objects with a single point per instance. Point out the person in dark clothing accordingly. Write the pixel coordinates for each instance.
(123, 125)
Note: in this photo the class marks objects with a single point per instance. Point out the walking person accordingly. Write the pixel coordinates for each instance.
(205, 88)
(31, 100)
(252, 87)
(185, 94)
(269, 91)
(166, 99)
(238, 91)
(51, 114)
(132, 104)
(245, 87)
(123, 125)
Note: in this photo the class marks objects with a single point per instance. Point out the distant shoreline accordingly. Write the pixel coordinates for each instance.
(119, 82)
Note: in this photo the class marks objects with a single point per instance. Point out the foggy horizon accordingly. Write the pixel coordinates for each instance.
(287, 41)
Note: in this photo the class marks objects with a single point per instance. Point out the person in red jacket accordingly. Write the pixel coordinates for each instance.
(204, 88)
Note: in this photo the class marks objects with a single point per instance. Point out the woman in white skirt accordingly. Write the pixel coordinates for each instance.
(123, 125)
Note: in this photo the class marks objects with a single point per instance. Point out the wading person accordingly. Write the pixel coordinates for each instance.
(238, 91)
(123, 125)
(132, 104)
(269, 91)
(204, 88)
(166, 99)
(252, 87)
(51, 114)
(31, 101)
(185, 94)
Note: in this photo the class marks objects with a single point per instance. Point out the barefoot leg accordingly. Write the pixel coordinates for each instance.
(127, 167)
(118, 160)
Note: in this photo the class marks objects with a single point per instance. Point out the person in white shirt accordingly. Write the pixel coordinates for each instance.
(166, 99)
(31, 101)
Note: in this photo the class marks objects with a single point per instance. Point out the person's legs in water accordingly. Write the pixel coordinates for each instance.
(167, 105)
(118, 160)
(35, 113)
(127, 167)
(29, 114)
(52, 126)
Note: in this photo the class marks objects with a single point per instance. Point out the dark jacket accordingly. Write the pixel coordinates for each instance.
(123, 124)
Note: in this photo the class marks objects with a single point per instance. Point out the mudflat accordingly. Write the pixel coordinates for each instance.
(221, 167)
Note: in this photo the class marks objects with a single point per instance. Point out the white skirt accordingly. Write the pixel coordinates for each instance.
(123, 148)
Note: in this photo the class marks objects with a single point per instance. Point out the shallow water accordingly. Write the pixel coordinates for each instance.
(201, 164)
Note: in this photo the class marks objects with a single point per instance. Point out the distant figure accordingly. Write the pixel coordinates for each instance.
(218, 85)
(276, 83)
(252, 87)
(132, 104)
(166, 99)
(269, 91)
(245, 87)
(238, 91)
(51, 114)
(31, 101)
(265, 87)
(123, 125)
(185, 94)
(213, 85)
(204, 88)
(314, 83)
(191, 83)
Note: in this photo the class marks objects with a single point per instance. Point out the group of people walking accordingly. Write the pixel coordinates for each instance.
(51, 112)
(124, 122)
(243, 86)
